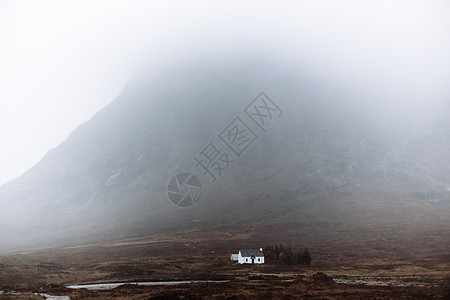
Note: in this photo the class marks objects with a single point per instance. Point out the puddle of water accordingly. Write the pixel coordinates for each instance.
(50, 297)
(108, 286)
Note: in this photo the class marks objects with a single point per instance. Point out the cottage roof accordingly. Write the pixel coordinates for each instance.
(250, 253)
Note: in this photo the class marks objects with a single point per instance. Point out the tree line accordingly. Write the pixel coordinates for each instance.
(286, 255)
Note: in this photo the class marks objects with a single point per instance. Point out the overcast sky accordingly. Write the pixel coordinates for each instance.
(62, 61)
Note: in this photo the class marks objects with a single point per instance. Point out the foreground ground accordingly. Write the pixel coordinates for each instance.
(317, 286)
(393, 247)
(175, 258)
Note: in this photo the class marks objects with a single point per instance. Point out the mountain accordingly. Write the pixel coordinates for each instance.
(284, 149)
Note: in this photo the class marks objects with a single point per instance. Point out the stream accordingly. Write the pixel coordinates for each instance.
(50, 297)
(108, 286)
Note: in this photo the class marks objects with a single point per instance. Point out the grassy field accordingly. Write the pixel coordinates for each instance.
(370, 246)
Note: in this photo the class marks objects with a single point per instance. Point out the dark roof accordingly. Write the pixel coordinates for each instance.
(250, 253)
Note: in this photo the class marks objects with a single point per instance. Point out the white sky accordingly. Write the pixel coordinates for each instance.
(62, 61)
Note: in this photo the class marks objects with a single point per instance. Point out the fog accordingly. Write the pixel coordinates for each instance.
(62, 62)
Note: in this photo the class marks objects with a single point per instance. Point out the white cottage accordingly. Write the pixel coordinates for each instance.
(251, 256)
(234, 257)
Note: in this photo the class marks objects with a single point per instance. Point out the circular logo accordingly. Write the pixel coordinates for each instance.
(184, 189)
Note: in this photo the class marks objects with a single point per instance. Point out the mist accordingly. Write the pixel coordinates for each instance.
(120, 130)
(394, 54)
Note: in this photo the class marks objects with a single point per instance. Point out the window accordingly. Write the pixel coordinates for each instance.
(259, 259)
(246, 260)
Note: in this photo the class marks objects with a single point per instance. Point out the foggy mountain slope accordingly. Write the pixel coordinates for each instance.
(427, 156)
(111, 174)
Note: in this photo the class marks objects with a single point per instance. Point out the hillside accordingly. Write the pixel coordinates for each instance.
(324, 170)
